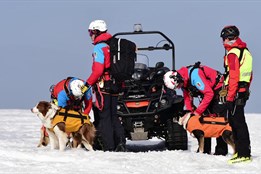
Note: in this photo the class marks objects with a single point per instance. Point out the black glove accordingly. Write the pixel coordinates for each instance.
(244, 95)
(85, 88)
(230, 106)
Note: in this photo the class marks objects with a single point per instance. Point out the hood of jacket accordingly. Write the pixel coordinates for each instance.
(235, 43)
(102, 38)
(185, 75)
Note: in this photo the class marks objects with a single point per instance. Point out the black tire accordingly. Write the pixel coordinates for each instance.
(176, 136)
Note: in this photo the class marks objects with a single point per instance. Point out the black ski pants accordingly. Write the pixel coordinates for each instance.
(109, 127)
(240, 131)
(215, 107)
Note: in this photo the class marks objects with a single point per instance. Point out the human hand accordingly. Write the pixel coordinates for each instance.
(85, 88)
(195, 113)
(230, 107)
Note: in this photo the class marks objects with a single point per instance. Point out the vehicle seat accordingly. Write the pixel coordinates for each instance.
(158, 72)
(141, 71)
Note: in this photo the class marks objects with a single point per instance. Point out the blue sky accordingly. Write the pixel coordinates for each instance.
(42, 42)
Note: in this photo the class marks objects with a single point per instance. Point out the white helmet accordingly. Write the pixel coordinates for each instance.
(172, 80)
(98, 25)
(76, 88)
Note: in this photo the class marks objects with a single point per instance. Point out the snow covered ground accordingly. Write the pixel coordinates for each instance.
(19, 130)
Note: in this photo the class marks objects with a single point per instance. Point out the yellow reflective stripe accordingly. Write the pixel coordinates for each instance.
(246, 74)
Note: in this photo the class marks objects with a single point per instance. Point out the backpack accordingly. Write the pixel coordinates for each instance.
(192, 89)
(122, 58)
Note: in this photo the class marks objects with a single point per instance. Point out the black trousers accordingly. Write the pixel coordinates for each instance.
(215, 107)
(240, 131)
(109, 127)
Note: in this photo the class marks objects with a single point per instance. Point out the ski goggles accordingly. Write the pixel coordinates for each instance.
(91, 32)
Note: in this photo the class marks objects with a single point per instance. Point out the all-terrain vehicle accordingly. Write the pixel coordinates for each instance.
(145, 108)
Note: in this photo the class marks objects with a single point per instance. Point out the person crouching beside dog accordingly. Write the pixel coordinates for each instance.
(68, 94)
(205, 83)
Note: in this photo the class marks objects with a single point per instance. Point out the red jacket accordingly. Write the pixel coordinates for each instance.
(101, 58)
(65, 99)
(204, 81)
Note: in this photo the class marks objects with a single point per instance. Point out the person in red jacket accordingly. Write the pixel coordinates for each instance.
(238, 76)
(67, 94)
(203, 82)
(108, 127)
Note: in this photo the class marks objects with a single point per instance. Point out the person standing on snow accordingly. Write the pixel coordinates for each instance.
(238, 76)
(203, 82)
(109, 127)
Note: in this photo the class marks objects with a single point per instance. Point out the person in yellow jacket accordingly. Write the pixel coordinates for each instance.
(238, 76)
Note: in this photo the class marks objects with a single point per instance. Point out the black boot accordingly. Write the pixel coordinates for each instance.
(121, 147)
(98, 145)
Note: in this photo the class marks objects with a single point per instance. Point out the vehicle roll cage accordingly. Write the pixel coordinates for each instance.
(151, 48)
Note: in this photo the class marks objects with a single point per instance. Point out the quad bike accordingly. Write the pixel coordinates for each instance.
(147, 109)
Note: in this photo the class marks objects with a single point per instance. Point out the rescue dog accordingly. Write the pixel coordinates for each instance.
(57, 131)
(209, 127)
(44, 138)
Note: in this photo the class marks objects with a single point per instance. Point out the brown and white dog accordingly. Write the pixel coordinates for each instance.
(207, 128)
(46, 112)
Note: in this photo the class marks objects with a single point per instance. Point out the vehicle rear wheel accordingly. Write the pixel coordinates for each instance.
(176, 136)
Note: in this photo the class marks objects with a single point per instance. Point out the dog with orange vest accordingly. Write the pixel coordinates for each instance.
(207, 127)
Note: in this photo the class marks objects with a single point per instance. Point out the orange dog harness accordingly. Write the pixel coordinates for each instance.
(212, 126)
